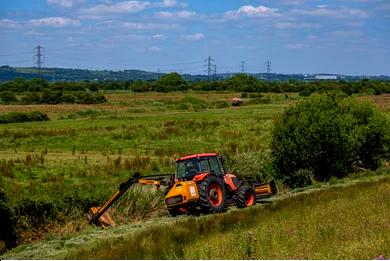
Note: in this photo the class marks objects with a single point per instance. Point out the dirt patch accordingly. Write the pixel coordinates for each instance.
(382, 101)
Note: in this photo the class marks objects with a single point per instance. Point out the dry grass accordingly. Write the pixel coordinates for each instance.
(56, 109)
(382, 101)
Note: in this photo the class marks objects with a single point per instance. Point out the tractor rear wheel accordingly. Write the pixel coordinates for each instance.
(246, 196)
(212, 195)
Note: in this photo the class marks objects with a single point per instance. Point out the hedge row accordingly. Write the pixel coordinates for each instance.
(13, 117)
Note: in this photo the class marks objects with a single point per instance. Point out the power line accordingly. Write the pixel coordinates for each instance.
(15, 54)
(77, 57)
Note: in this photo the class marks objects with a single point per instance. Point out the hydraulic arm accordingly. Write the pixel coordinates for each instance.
(99, 216)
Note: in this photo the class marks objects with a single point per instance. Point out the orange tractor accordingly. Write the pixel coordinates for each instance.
(200, 184)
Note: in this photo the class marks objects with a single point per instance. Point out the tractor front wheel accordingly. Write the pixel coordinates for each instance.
(212, 195)
(176, 211)
(246, 196)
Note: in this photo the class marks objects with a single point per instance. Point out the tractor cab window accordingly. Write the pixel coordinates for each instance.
(215, 167)
(187, 168)
(204, 166)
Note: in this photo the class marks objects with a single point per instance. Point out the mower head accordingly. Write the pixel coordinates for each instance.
(105, 220)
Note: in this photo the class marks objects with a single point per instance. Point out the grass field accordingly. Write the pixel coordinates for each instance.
(58, 169)
(347, 219)
(52, 172)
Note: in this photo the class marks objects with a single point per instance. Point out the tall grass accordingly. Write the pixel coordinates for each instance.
(339, 223)
(79, 158)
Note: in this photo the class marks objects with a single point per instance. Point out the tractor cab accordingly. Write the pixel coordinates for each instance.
(187, 168)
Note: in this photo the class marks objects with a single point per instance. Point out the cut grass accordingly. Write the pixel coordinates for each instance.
(340, 221)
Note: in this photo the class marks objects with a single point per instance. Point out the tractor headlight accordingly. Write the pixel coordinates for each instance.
(174, 200)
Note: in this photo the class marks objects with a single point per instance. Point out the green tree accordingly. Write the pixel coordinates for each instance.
(171, 82)
(327, 135)
(243, 82)
(8, 97)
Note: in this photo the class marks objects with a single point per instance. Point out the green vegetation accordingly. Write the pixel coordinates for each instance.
(328, 135)
(52, 172)
(175, 82)
(340, 221)
(13, 117)
(48, 97)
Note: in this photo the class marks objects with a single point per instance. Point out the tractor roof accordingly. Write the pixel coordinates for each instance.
(195, 156)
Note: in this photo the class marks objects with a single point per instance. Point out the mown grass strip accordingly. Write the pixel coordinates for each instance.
(345, 222)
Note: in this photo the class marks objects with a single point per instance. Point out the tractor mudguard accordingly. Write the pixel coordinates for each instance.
(231, 181)
(200, 177)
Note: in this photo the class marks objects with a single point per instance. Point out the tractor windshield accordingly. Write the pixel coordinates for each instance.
(190, 168)
(187, 168)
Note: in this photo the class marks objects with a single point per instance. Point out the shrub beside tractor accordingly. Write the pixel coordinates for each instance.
(200, 184)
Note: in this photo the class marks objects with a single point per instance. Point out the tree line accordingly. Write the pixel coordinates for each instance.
(175, 82)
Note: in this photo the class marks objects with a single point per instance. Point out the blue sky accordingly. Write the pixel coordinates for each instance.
(347, 37)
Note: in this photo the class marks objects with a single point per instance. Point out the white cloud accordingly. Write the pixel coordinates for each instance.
(63, 3)
(166, 3)
(154, 49)
(251, 11)
(346, 33)
(337, 13)
(291, 25)
(170, 3)
(295, 46)
(159, 37)
(293, 2)
(180, 14)
(354, 24)
(192, 37)
(149, 26)
(55, 22)
(7, 23)
(114, 8)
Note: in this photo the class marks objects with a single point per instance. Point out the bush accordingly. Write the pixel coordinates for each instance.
(191, 103)
(305, 93)
(251, 164)
(219, 104)
(31, 98)
(8, 97)
(89, 98)
(7, 224)
(260, 100)
(13, 117)
(328, 135)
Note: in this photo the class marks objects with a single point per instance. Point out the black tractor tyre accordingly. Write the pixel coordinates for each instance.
(245, 196)
(212, 195)
(174, 211)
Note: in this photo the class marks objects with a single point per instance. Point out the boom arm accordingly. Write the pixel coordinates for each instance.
(98, 215)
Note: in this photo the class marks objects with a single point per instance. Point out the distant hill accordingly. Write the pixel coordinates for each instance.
(65, 74)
